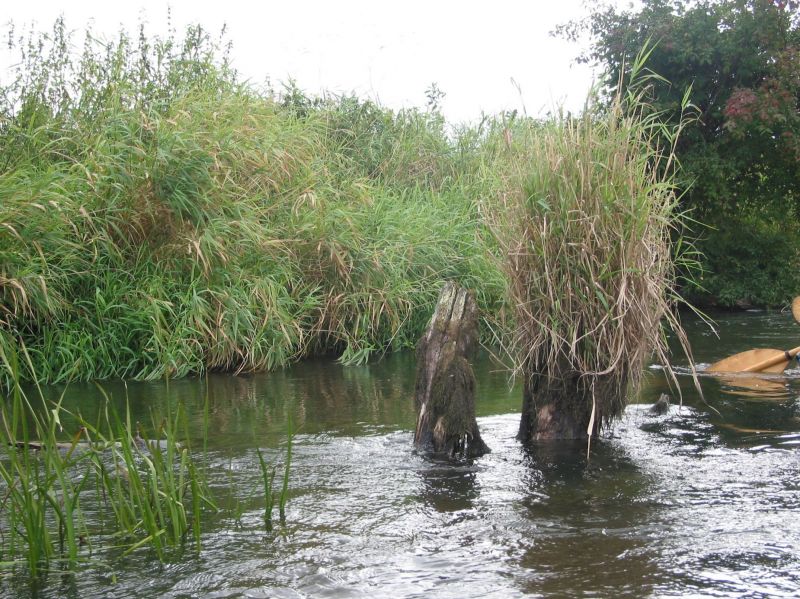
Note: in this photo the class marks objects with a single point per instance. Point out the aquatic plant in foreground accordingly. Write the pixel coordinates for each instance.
(268, 472)
(152, 488)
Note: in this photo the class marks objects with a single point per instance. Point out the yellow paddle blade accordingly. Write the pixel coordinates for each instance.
(746, 359)
(796, 308)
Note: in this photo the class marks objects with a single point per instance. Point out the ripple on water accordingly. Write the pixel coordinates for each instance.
(669, 506)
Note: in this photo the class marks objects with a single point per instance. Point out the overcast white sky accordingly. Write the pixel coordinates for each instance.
(389, 51)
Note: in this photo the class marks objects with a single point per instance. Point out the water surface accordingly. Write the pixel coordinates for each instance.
(701, 501)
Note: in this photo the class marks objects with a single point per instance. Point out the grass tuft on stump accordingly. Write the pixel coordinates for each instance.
(586, 231)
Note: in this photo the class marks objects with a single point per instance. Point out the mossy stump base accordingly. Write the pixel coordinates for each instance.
(444, 395)
(553, 409)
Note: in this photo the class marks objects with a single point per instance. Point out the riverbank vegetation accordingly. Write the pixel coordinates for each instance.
(740, 62)
(158, 217)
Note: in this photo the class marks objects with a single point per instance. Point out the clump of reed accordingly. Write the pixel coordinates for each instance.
(268, 473)
(40, 490)
(152, 487)
(159, 218)
(587, 228)
(106, 490)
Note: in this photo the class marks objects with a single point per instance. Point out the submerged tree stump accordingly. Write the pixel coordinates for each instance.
(444, 394)
(553, 409)
(564, 404)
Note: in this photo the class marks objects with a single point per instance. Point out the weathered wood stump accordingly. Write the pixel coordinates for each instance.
(563, 404)
(444, 394)
(553, 408)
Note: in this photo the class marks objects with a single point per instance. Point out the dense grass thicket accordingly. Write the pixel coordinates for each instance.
(160, 218)
(588, 240)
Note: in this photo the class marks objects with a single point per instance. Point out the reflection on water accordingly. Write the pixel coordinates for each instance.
(756, 387)
(700, 501)
(448, 487)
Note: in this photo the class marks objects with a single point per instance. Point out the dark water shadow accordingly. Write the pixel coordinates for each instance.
(592, 522)
(449, 485)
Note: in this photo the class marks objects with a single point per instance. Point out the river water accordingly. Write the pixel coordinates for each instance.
(702, 501)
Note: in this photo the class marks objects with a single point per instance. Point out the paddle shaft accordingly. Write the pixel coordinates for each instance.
(759, 366)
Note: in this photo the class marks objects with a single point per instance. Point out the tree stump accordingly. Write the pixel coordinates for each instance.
(563, 406)
(553, 409)
(444, 395)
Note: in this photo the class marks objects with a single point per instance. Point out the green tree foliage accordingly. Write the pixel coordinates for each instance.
(740, 59)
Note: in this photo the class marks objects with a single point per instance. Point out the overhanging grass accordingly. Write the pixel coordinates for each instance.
(162, 229)
(587, 232)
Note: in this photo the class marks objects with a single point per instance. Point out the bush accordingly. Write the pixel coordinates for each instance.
(157, 218)
(752, 260)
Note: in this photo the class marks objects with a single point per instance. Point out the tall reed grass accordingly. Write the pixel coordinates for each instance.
(107, 489)
(159, 218)
(268, 472)
(587, 230)
(50, 517)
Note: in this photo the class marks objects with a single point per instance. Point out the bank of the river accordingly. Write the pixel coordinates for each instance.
(158, 218)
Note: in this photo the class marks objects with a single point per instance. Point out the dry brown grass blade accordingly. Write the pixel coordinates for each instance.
(586, 231)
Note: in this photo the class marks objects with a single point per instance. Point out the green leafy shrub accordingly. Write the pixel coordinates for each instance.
(752, 260)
